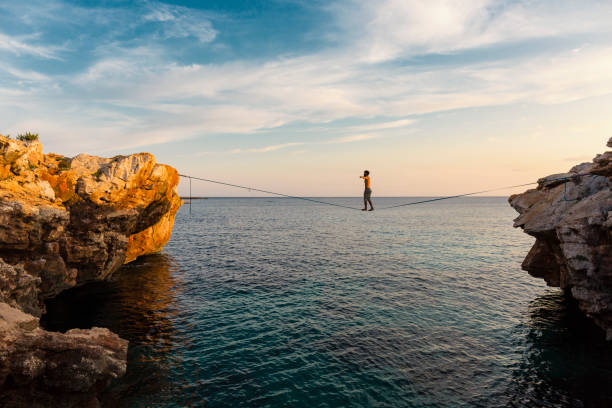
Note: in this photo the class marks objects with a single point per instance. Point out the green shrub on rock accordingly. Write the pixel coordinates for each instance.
(27, 137)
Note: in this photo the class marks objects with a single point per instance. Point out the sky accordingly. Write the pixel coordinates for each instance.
(434, 97)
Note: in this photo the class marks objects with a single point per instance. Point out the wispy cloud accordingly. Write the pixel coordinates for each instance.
(319, 89)
(19, 46)
(281, 146)
(135, 84)
(390, 29)
(245, 97)
(272, 148)
(384, 125)
(354, 138)
(27, 75)
(181, 22)
(267, 149)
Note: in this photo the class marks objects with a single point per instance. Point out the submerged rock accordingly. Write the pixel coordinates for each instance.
(65, 222)
(570, 215)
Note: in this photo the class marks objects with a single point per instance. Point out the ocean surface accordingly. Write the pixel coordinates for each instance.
(277, 302)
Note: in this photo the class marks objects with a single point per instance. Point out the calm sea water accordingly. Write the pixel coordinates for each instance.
(277, 302)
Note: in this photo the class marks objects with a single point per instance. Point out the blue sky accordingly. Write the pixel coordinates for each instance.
(434, 97)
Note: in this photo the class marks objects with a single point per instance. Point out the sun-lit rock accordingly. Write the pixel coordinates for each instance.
(65, 222)
(570, 215)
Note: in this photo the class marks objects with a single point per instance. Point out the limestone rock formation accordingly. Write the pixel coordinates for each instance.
(570, 215)
(40, 368)
(65, 222)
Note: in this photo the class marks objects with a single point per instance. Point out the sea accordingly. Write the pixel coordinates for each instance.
(277, 302)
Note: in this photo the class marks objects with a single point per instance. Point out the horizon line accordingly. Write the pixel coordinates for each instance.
(318, 196)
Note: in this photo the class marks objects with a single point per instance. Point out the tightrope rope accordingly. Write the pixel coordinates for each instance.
(459, 195)
(268, 192)
(565, 179)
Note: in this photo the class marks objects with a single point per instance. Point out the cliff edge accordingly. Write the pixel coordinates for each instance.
(570, 215)
(65, 222)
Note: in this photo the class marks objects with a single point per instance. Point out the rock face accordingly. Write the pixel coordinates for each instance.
(65, 222)
(40, 368)
(570, 215)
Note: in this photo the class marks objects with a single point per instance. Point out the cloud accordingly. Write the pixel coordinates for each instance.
(107, 69)
(267, 149)
(23, 74)
(174, 102)
(389, 29)
(354, 138)
(181, 22)
(272, 148)
(320, 89)
(18, 46)
(385, 125)
(138, 87)
(559, 78)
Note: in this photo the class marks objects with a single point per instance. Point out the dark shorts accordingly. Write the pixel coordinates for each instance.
(367, 193)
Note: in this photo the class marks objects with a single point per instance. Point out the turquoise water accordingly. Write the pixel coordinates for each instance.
(276, 302)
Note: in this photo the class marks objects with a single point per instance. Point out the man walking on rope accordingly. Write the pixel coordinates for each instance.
(367, 193)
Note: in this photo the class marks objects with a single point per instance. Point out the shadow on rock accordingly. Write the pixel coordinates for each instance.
(139, 304)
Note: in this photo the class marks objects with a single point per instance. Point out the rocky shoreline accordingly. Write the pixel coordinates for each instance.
(65, 222)
(570, 215)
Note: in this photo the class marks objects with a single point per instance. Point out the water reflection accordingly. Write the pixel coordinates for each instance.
(140, 305)
(566, 360)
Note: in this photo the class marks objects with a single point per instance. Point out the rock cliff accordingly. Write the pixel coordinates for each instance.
(570, 215)
(65, 222)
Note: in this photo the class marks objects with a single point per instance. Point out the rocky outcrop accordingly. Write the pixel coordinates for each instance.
(43, 369)
(570, 215)
(65, 222)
